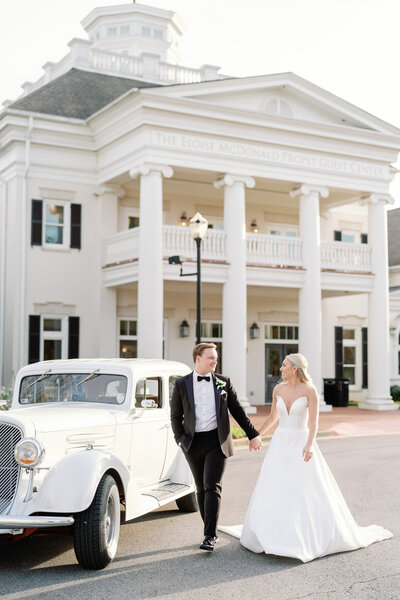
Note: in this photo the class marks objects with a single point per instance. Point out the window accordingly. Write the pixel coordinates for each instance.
(212, 332)
(350, 355)
(158, 33)
(111, 31)
(398, 354)
(127, 338)
(146, 31)
(53, 338)
(281, 332)
(56, 220)
(133, 222)
(125, 30)
(73, 387)
(56, 224)
(148, 393)
(284, 230)
(346, 236)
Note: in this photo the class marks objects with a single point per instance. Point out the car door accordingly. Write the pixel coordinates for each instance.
(172, 448)
(149, 431)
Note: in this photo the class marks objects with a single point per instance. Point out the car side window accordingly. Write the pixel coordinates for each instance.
(148, 393)
(171, 385)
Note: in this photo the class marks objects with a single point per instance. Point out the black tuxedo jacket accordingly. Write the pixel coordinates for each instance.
(183, 418)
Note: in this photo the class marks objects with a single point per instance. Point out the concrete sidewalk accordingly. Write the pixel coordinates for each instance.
(345, 421)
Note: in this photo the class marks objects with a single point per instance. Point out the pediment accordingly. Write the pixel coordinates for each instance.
(285, 96)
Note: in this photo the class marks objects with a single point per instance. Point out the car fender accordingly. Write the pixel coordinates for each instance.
(71, 484)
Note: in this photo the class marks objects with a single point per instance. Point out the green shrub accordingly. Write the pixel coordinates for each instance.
(5, 398)
(395, 392)
(237, 432)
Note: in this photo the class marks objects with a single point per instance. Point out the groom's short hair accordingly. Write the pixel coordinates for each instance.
(199, 349)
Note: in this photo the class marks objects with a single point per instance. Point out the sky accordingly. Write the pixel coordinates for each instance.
(348, 47)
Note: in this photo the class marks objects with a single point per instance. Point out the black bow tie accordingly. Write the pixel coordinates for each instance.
(206, 377)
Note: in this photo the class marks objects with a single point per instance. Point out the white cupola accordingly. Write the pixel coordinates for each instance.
(136, 29)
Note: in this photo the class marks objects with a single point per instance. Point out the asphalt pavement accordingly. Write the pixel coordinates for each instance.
(158, 555)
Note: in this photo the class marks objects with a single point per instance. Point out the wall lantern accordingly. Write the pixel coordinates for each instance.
(184, 329)
(184, 219)
(254, 226)
(254, 332)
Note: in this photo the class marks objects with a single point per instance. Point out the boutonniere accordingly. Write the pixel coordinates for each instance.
(220, 386)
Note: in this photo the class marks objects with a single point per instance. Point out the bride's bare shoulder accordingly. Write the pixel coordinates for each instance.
(278, 388)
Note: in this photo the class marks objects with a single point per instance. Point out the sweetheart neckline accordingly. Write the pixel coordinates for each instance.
(290, 407)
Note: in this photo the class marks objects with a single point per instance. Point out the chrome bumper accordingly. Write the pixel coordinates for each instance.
(8, 522)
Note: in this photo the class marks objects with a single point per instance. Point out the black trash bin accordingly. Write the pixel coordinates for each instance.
(336, 391)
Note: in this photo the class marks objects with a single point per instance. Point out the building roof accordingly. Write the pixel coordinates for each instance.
(393, 220)
(77, 94)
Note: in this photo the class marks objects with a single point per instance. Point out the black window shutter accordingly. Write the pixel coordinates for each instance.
(364, 352)
(76, 218)
(73, 337)
(34, 339)
(36, 223)
(337, 236)
(339, 352)
(364, 238)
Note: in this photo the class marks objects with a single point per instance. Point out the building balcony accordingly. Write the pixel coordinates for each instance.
(271, 260)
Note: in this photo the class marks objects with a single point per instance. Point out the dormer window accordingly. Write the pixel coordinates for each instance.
(146, 31)
(111, 31)
(125, 30)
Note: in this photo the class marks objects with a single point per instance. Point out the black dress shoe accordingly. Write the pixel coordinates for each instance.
(209, 543)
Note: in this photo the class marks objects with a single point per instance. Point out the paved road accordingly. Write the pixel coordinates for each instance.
(158, 555)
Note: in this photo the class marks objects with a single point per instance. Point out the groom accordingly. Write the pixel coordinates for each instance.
(200, 422)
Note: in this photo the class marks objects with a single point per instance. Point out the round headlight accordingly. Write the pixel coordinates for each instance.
(28, 452)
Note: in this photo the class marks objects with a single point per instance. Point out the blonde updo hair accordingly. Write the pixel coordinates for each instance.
(300, 362)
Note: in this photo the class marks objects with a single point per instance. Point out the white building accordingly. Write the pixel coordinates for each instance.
(105, 158)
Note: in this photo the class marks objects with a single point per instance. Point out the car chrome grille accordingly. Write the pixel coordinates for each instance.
(10, 435)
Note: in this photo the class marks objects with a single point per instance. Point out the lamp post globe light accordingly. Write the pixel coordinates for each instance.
(198, 227)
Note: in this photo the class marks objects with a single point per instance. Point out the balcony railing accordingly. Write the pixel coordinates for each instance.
(262, 250)
(274, 250)
(178, 240)
(342, 256)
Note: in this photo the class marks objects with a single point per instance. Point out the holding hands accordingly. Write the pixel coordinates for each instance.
(255, 443)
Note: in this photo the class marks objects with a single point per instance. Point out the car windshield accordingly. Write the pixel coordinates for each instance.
(73, 387)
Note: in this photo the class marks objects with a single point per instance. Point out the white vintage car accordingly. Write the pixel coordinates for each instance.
(83, 437)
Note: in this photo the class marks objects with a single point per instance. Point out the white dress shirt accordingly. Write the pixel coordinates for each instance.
(204, 403)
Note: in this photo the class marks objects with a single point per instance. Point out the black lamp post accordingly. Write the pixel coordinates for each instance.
(198, 227)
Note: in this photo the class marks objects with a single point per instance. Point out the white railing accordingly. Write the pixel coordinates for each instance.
(273, 250)
(178, 240)
(116, 63)
(262, 250)
(342, 256)
(122, 246)
(177, 74)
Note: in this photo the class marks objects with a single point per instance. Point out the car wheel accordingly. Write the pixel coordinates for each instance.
(188, 503)
(96, 529)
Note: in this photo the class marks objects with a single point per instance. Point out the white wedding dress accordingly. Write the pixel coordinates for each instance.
(297, 508)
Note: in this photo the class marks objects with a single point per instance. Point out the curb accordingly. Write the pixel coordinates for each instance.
(241, 442)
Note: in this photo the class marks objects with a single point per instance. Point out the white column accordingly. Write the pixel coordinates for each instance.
(378, 309)
(310, 303)
(108, 195)
(150, 284)
(234, 303)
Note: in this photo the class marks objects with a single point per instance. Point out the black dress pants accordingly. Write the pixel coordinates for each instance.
(207, 463)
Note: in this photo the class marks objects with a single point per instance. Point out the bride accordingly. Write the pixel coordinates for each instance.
(297, 508)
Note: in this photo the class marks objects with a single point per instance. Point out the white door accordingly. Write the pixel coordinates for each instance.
(149, 432)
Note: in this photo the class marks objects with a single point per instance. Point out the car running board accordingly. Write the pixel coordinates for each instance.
(164, 491)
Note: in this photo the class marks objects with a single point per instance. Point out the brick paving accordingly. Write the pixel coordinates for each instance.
(344, 421)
